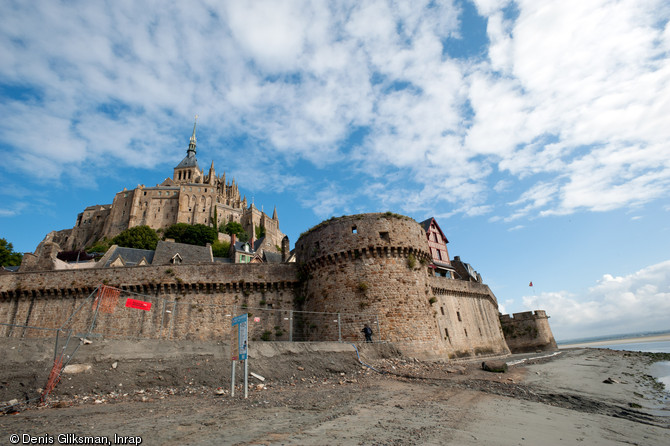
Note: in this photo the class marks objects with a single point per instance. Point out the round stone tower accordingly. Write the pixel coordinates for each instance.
(379, 265)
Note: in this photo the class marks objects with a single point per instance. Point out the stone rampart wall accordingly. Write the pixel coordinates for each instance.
(528, 332)
(188, 301)
(369, 268)
(467, 317)
(378, 263)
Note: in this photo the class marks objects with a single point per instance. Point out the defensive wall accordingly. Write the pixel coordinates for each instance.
(373, 268)
(528, 331)
(188, 301)
(380, 263)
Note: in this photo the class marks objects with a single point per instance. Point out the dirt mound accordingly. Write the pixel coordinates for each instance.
(113, 366)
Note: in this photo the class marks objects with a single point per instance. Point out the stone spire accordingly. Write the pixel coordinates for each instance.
(274, 214)
(212, 174)
(192, 141)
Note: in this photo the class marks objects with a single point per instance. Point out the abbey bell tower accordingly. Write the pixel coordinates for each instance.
(187, 171)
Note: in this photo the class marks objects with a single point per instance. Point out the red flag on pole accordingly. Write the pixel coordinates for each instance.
(530, 284)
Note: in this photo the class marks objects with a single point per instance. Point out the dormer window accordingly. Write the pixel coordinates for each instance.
(176, 259)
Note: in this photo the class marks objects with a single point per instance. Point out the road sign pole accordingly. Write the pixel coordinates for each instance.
(246, 379)
(239, 348)
(232, 380)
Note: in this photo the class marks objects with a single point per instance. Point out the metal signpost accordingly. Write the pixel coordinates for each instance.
(239, 350)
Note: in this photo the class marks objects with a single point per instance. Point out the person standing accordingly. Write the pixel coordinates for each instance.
(367, 331)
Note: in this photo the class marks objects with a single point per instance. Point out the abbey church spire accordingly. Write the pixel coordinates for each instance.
(192, 141)
(187, 171)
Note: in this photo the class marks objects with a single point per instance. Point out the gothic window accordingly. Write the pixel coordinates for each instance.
(354, 230)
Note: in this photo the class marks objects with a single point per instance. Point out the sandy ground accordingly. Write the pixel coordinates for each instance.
(166, 393)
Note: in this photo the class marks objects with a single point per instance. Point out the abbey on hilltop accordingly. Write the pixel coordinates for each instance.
(190, 196)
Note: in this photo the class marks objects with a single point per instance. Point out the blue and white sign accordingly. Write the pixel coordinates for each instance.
(240, 342)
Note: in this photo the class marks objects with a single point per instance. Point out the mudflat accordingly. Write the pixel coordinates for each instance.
(179, 394)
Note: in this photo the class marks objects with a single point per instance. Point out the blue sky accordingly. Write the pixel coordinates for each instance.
(536, 132)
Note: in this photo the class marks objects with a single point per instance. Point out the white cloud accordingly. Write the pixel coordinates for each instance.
(636, 302)
(570, 105)
(326, 202)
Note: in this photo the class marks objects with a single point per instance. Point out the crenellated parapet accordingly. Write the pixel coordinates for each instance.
(528, 331)
(364, 235)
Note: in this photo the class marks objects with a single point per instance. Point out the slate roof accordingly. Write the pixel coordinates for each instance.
(188, 161)
(272, 257)
(190, 254)
(239, 247)
(130, 256)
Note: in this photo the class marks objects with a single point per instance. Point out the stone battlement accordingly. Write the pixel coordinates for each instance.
(537, 314)
(528, 331)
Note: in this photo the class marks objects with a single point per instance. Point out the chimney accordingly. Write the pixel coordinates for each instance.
(285, 249)
(231, 253)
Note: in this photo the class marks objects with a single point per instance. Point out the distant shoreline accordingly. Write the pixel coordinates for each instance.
(633, 340)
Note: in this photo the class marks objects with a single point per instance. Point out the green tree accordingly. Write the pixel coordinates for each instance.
(100, 246)
(260, 232)
(139, 237)
(7, 255)
(191, 234)
(176, 232)
(220, 249)
(233, 227)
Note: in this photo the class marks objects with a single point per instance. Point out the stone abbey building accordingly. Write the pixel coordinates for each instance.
(190, 196)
